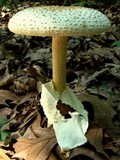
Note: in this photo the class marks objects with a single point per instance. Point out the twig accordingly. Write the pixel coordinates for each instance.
(92, 77)
(116, 35)
(112, 65)
(6, 38)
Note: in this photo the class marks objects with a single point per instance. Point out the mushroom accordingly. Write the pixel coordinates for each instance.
(60, 22)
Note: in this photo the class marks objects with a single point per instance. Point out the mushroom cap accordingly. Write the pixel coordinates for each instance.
(59, 21)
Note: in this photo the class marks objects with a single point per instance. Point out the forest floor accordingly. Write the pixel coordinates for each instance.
(93, 73)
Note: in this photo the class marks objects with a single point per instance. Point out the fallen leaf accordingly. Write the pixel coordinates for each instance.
(95, 138)
(113, 146)
(3, 156)
(7, 95)
(102, 113)
(52, 157)
(28, 97)
(34, 131)
(36, 122)
(4, 112)
(36, 149)
(87, 152)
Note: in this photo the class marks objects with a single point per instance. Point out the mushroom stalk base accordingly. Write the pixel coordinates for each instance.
(59, 52)
(64, 127)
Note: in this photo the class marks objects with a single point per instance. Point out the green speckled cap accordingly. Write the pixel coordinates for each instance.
(59, 21)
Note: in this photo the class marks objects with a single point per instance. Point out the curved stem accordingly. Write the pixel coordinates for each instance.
(59, 52)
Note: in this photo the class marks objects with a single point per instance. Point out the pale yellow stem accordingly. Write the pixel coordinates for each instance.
(59, 52)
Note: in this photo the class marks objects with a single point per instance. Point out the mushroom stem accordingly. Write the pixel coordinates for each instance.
(59, 52)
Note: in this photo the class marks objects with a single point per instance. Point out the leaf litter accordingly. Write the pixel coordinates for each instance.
(38, 148)
(93, 74)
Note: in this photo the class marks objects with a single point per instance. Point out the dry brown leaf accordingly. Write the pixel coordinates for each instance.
(7, 95)
(52, 157)
(28, 97)
(87, 152)
(102, 113)
(95, 138)
(34, 131)
(4, 112)
(37, 121)
(113, 146)
(3, 156)
(27, 118)
(40, 54)
(6, 80)
(37, 149)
